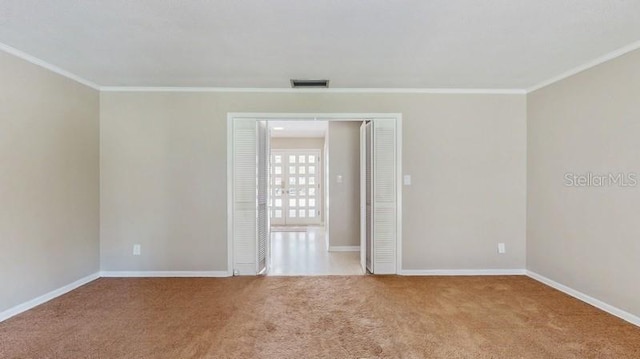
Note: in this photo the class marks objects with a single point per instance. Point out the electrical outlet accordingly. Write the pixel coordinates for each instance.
(502, 249)
(136, 249)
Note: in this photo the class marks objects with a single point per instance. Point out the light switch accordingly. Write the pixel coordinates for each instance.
(502, 249)
(407, 180)
(339, 179)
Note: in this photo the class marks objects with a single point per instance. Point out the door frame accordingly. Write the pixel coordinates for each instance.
(267, 116)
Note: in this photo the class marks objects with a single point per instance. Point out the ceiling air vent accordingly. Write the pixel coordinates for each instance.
(309, 84)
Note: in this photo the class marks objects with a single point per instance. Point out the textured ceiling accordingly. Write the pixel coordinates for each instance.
(497, 44)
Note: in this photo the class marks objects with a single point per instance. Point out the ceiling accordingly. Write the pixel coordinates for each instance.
(488, 44)
(298, 128)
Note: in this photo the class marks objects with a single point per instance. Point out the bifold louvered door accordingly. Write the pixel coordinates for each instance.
(250, 216)
(383, 184)
(365, 197)
(263, 188)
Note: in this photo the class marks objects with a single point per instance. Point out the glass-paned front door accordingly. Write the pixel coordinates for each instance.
(295, 197)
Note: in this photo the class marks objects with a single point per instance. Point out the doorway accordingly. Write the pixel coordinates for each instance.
(303, 153)
(247, 225)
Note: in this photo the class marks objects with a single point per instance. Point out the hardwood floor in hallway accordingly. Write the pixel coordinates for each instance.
(304, 252)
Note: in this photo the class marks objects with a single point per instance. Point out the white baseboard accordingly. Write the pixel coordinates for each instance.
(165, 274)
(344, 248)
(46, 297)
(633, 319)
(461, 272)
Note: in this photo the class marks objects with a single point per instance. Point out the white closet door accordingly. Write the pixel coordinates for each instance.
(244, 196)
(363, 196)
(263, 187)
(250, 210)
(384, 196)
(369, 197)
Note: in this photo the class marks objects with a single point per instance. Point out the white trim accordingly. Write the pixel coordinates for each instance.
(593, 63)
(164, 274)
(36, 61)
(461, 272)
(326, 185)
(344, 248)
(469, 91)
(363, 194)
(305, 116)
(399, 189)
(20, 308)
(633, 319)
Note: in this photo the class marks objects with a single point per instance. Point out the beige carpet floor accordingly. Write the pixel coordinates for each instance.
(317, 317)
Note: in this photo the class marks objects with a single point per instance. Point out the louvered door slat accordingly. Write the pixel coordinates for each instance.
(384, 197)
(263, 214)
(244, 196)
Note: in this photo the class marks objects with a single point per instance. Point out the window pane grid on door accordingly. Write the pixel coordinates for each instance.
(298, 185)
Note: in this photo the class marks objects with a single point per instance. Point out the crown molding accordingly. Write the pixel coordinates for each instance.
(53, 68)
(469, 91)
(576, 70)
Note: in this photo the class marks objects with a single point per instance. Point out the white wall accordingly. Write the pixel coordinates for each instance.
(344, 198)
(587, 238)
(48, 181)
(163, 175)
